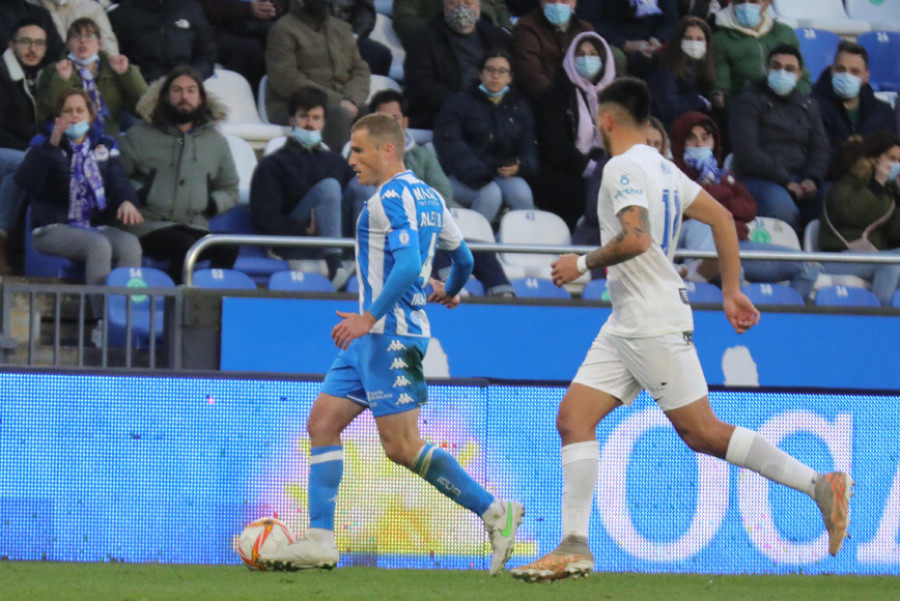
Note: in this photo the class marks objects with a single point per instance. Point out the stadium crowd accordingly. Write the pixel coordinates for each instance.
(507, 91)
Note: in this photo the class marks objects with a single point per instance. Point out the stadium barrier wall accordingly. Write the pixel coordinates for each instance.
(142, 468)
(547, 342)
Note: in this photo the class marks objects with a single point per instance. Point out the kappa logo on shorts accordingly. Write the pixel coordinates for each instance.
(404, 399)
(399, 363)
(401, 381)
(396, 345)
(688, 337)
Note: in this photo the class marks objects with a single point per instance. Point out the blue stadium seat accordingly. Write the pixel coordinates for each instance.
(223, 279)
(846, 296)
(703, 292)
(818, 47)
(538, 288)
(772, 294)
(474, 287)
(136, 277)
(300, 281)
(252, 260)
(38, 264)
(884, 59)
(896, 301)
(352, 285)
(596, 290)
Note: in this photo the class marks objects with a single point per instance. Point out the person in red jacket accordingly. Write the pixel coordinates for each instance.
(696, 144)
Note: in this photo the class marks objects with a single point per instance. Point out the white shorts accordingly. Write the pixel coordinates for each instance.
(666, 366)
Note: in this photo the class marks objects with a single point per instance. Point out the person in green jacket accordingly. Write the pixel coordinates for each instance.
(745, 34)
(182, 169)
(114, 85)
(860, 211)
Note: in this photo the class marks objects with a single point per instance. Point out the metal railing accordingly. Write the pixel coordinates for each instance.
(210, 240)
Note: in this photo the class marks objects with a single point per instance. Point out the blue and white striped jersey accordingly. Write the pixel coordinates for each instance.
(403, 211)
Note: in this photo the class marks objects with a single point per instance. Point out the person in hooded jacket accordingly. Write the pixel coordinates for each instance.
(484, 139)
(696, 149)
(569, 146)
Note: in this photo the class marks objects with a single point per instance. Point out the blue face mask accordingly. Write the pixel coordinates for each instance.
(493, 94)
(84, 62)
(76, 130)
(894, 172)
(781, 82)
(558, 14)
(307, 137)
(588, 66)
(747, 15)
(846, 85)
(696, 155)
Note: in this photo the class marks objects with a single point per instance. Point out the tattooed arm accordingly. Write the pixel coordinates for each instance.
(632, 240)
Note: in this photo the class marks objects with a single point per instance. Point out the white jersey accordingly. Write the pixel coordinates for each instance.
(647, 294)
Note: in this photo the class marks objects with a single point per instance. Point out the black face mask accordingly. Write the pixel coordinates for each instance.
(316, 9)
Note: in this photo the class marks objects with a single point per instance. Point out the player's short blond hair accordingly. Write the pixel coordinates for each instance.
(383, 129)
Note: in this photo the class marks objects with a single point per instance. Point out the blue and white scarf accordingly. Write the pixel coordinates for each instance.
(85, 185)
(89, 85)
(646, 8)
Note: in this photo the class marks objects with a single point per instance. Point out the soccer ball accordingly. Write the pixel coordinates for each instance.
(264, 535)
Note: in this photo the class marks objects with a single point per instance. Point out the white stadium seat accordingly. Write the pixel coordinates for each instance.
(820, 14)
(883, 16)
(811, 244)
(244, 162)
(242, 119)
(384, 33)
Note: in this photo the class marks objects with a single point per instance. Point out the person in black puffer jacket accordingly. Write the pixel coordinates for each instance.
(484, 139)
(158, 35)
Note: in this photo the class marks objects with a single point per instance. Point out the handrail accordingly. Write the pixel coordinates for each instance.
(190, 259)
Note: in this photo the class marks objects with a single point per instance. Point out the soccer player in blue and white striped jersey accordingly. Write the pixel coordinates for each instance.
(379, 366)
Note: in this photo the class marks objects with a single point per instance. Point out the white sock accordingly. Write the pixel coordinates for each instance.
(750, 450)
(321, 535)
(580, 462)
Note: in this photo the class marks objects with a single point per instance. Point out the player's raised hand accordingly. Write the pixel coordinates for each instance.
(565, 270)
(741, 312)
(440, 295)
(351, 327)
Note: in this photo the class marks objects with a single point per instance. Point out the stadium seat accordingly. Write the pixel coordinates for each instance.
(352, 285)
(252, 260)
(136, 277)
(818, 48)
(474, 287)
(300, 281)
(274, 144)
(242, 119)
(896, 301)
(821, 14)
(845, 296)
(261, 100)
(472, 224)
(38, 264)
(384, 7)
(772, 294)
(244, 162)
(378, 83)
(596, 290)
(769, 230)
(884, 59)
(703, 292)
(882, 16)
(421, 136)
(538, 288)
(223, 279)
(384, 33)
(811, 244)
(532, 227)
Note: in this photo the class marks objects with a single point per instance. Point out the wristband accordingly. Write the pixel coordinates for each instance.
(582, 264)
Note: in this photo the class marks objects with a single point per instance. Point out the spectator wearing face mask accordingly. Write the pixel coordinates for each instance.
(848, 103)
(307, 47)
(745, 35)
(780, 146)
(445, 59)
(569, 145)
(860, 212)
(684, 76)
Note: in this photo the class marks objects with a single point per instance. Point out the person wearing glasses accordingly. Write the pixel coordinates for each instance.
(13, 12)
(114, 85)
(66, 12)
(19, 70)
(484, 139)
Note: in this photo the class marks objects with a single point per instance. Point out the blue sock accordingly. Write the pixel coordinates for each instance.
(441, 470)
(326, 465)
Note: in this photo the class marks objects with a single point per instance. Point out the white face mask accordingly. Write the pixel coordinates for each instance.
(695, 49)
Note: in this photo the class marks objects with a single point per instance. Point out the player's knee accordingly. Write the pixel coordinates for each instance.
(572, 427)
(399, 453)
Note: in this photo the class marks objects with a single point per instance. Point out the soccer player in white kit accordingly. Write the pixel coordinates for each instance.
(647, 342)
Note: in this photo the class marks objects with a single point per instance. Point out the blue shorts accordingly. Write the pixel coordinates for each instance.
(383, 373)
